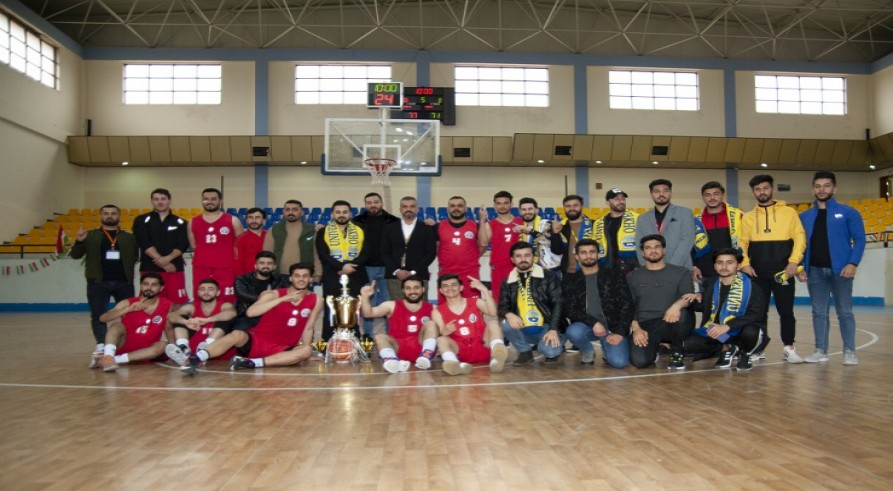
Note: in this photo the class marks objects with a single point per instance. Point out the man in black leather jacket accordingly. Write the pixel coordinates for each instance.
(530, 308)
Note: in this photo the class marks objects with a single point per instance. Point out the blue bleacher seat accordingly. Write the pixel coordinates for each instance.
(278, 211)
(241, 212)
(548, 212)
(491, 213)
(516, 212)
(232, 211)
(442, 213)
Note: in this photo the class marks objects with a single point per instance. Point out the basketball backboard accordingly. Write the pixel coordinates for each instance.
(413, 144)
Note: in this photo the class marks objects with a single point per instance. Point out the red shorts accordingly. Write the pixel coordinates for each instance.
(408, 348)
(174, 286)
(225, 277)
(473, 353)
(261, 348)
(497, 274)
(135, 342)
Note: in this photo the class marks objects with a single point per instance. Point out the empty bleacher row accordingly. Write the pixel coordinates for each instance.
(877, 214)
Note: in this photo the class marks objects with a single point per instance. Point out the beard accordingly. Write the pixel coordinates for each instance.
(573, 215)
(148, 294)
(654, 259)
(210, 207)
(264, 273)
(110, 222)
(457, 214)
(342, 220)
(588, 263)
(414, 299)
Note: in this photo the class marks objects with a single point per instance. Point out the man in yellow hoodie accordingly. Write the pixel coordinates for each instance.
(773, 242)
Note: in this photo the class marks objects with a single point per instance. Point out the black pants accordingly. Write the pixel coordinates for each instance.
(784, 304)
(240, 323)
(98, 294)
(661, 332)
(705, 347)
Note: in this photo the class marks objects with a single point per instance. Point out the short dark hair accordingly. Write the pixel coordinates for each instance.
(412, 277)
(455, 197)
(572, 197)
(447, 277)
(713, 185)
(759, 179)
(294, 202)
(296, 266)
(660, 182)
(256, 210)
(341, 202)
(586, 242)
(824, 174)
(657, 237)
(517, 246)
(213, 190)
(409, 198)
(526, 200)
(209, 281)
(161, 191)
(369, 195)
(152, 275)
(109, 206)
(265, 254)
(728, 251)
(503, 194)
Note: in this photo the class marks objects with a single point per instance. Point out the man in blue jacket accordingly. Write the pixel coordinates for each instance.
(835, 237)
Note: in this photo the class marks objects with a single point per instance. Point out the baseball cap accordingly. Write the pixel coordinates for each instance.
(613, 193)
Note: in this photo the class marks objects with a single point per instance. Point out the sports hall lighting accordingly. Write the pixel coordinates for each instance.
(764, 164)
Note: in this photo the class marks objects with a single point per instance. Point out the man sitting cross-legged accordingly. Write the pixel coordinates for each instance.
(193, 322)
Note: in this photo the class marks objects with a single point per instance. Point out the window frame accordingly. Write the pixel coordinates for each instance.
(28, 52)
(810, 92)
(527, 86)
(337, 76)
(172, 84)
(639, 90)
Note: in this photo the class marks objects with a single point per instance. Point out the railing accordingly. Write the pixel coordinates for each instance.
(22, 249)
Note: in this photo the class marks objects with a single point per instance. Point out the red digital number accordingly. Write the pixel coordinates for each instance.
(384, 99)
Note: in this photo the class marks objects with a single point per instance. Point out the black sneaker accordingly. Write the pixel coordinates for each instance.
(238, 362)
(725, 358)
(191, 365)
(744, 363)
(524, 358)
(677, 361)
(551, 361)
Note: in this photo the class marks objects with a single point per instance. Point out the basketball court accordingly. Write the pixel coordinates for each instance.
(320, 426)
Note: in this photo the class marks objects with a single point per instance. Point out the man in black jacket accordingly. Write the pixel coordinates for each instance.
(373, 220)
(733, 309)
(530, 308)
(599, 305)
(162, 239)
(408, 247)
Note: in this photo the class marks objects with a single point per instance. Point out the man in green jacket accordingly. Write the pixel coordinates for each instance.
(292, 239)
(110, 256)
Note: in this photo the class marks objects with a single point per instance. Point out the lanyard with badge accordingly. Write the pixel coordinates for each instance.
(112, 254)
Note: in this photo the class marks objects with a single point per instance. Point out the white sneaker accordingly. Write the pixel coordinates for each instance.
(392, 365)
(816, 357)
(176, 354)
(791, 356)
(422, 363)
(404, 366)
(100, 349)
(849, 357)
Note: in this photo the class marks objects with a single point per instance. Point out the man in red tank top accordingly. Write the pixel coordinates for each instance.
(411, 334)
(136, 325)
(499, 234)
(193, 322)
(212, 236)
(281, 338)
(252, 241)
(465, 337)
(458, 250)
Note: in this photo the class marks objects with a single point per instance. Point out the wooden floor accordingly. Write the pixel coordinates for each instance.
(569, 427)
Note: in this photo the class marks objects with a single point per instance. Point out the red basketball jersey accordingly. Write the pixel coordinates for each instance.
(404, 323)
(284, 324)
(205, 329)
(470, 323)
(143, 330)
(457, 248)
(214, 242)
(502, 238)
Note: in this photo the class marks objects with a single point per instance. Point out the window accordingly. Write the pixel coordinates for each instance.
(665, 91)
(24, 50)
(502, 86)
(172, 84)
(792, 94)
(337, 84)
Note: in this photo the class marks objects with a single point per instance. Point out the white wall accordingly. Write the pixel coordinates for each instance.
(708, 121)
(882, 102)
(506, 121)
(105, 105)
(34, 123)
(850, 126)
(308, 185)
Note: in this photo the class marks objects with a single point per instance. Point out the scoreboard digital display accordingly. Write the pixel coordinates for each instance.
(385, 95)
(429, 103)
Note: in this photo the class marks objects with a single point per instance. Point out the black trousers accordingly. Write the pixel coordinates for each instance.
(784, 304)
(98, 294)
(705, 347)
(661, 332)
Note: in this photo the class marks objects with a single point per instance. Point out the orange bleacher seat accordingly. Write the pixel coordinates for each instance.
(89, 212)
(74, 212)
(195, 212)
(134, 212)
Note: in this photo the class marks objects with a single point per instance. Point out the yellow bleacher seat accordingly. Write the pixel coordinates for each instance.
(133, 211)
(195, 212)
(89, 212)
(74, 212)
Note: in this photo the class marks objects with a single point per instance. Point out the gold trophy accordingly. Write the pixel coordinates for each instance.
(343, 346)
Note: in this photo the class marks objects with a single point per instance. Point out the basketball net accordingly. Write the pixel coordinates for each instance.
(380, 168)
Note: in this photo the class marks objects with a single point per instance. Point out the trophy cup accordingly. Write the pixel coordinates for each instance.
(343, 346)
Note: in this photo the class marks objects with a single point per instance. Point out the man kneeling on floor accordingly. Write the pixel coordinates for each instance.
(411, 334)
(465, 337)
(136, 325)
(733, 308)
(282, 336)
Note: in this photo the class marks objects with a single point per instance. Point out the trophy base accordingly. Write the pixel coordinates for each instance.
(344, 347)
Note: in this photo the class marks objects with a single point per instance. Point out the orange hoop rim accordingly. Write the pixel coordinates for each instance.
(380, 168)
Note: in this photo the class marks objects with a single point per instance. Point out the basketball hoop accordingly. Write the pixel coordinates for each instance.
(380, 168)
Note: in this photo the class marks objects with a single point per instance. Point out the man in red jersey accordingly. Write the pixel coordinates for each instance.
(136, 325)
(194, 321)
(411, 336)
(458, 250)
(281, 337)
(252, 241)
(212, 236)
(500, 234)
(465, 337)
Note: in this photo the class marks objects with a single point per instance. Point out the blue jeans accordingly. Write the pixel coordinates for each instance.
(582, 337)
(823, 283)
(524, 339)
(376, 274)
